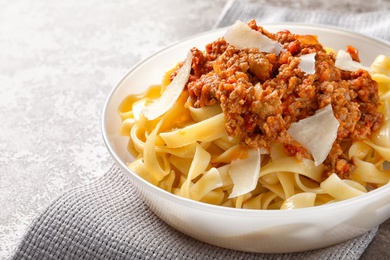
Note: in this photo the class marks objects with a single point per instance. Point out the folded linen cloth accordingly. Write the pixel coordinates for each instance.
(108, 220)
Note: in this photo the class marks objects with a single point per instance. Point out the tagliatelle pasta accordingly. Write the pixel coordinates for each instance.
(226, 141)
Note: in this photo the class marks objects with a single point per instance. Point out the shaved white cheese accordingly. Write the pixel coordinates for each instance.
(245, 173)
(137, 109)
(242, 36)
(316, 133)
(344, 61)
(171, 93)
(307, 63)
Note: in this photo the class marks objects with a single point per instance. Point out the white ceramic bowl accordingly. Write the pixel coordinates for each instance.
(270, 231)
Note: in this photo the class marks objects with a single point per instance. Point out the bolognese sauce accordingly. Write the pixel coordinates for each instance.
(262, 94)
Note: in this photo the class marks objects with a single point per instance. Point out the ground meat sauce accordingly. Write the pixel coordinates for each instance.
(262, 94)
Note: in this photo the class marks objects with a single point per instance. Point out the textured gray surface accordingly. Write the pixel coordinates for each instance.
(58, 62)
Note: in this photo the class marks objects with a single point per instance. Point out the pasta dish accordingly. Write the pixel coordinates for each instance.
(262, 120)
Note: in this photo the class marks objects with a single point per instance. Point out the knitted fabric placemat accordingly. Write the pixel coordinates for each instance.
(370, 23)
(108, 220)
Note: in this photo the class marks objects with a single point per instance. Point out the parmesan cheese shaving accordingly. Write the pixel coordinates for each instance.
(344, 61)
(171, 93)
(242, 36)
(307, 63)
(316, 133)
(137, 109)
(245, 173)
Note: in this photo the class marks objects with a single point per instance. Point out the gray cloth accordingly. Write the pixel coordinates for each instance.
(108, 220)
(375, 24)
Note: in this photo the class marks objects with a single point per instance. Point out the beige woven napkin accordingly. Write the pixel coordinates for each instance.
(108, 220)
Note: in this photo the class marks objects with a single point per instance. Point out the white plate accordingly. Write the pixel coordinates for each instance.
(248, 230)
